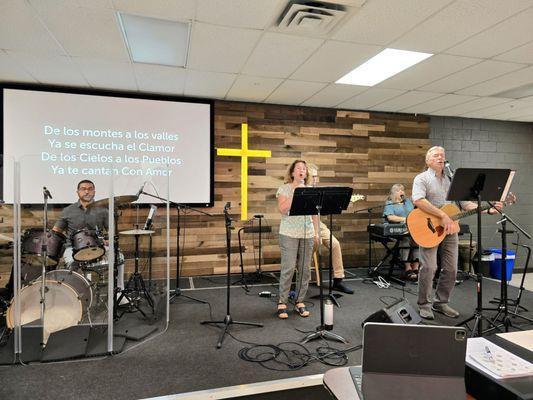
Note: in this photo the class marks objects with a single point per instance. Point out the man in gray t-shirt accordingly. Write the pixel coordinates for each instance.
(80, 216)
(430, 189)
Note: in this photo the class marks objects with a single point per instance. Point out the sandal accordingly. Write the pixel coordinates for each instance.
(282, 312)
(411, 275)
(301, 310)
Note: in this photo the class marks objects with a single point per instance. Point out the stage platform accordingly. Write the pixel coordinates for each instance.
(184, 359)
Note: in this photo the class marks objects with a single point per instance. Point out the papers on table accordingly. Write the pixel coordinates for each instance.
(496, 361)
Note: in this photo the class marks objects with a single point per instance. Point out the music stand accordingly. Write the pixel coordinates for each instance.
(477, 184)
(325, 200)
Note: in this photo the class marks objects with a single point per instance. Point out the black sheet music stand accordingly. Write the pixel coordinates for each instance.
(326, 200)
(479, 184)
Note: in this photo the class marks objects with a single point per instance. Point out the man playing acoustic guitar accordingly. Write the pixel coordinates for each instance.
(429, 195)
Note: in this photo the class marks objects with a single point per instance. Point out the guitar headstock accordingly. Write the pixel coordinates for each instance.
(357, 197)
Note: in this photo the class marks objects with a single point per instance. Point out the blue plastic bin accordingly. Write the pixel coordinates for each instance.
(496, 264)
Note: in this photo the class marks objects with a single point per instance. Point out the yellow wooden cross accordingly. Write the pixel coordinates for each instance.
(244, 153)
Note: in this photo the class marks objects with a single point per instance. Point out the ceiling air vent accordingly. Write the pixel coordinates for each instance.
(313, 17)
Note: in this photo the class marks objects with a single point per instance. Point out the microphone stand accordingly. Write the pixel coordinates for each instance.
(177, 291)
(503, 305)
(228, 320)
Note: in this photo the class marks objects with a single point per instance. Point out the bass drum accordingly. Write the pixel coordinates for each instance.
(63, 308)
(77, 282)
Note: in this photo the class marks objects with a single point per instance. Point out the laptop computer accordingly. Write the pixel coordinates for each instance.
(404, 362)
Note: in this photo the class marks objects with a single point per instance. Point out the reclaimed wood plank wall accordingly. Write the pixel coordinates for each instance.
(368, 151)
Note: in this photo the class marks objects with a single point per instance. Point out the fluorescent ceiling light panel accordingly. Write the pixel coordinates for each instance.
(156, 41)
(382, 66)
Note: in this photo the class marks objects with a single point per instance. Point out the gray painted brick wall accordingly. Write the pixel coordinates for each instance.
(479, 143)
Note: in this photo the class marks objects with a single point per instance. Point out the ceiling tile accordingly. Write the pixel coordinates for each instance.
(160, 78)
(251, 88)
(294, 92)
(333, 60)
(505, 82)
(438, 103)
(474, 105)
(219, 48)
(405, 100)
(457, 22)
(371, 97)
(521, 54)
(506, 35)
(107, 74)
(427, 71)
(470, 76)
(278, 55)
(10, 70)
(59, 70)
(258, 14)
(513, 109)
(493, 110)
(333, 94)
(381, 21)
(22, 31)
(178, 10)
(85, 32)
(208, 84)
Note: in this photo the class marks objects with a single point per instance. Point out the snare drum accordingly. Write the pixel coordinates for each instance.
(86, 246)
(32, 242)
(63, 308)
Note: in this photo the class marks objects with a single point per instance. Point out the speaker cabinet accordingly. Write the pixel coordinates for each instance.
(400, 312)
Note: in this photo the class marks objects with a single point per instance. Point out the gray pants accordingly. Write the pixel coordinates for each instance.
(295, 250)
(449, 249)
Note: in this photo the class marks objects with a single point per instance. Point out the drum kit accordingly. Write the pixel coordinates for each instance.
(68, 291)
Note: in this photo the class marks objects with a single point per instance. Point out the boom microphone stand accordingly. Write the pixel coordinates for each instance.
(503, 310)
(177, 291)
(228, 320)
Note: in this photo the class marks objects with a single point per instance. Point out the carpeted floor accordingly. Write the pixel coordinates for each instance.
(185, 358)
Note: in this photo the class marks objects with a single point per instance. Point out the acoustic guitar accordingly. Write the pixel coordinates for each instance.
(426, 229)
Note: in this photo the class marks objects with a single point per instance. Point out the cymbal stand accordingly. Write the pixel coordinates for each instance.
(228, 320)
(138, 289)
(177, 291)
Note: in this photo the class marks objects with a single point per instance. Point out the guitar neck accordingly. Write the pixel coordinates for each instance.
(468, 213)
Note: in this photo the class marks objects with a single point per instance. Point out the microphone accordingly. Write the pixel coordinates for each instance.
(151, 214)
(449, 169)
(402, 197)
(47, 192)
(140, 190)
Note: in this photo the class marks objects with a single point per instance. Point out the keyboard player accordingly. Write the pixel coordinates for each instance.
(397, 207)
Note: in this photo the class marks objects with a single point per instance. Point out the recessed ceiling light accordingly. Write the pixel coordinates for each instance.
(382, 66)
(156, 41)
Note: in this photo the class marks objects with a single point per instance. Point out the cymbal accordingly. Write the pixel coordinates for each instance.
(5, 238)
(137, 232)
(7, 211)
(120, 201)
